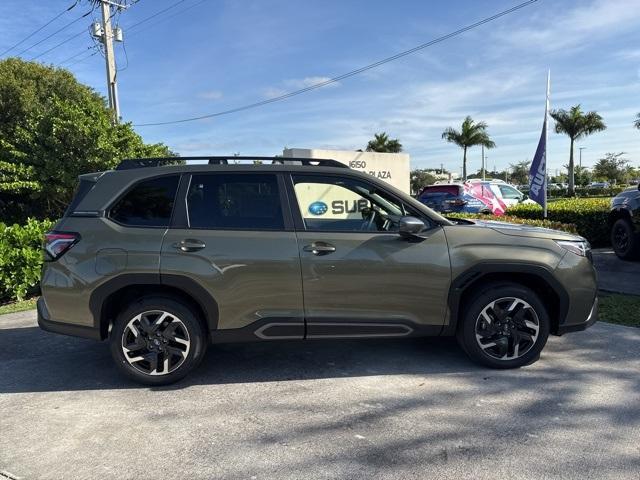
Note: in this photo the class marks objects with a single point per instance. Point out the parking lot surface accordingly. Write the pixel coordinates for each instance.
(343, 409)
(615, 275)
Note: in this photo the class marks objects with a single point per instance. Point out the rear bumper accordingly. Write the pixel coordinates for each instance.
(45, 323)
(577, 327)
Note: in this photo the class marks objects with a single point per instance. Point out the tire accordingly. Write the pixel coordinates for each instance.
(625, 242)
(157, 340)
(516, 310)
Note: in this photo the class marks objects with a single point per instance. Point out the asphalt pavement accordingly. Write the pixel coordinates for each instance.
(615, 275)
(399, 409)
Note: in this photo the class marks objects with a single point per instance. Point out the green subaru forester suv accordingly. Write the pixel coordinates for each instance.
(162, 257)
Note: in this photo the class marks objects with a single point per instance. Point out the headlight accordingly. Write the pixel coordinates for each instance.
(579, 247)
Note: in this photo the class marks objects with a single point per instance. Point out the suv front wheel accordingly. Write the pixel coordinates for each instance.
(625, 242)
(157, 340)
(505, 325)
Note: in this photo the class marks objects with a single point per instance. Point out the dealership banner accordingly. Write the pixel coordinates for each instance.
(538, 171)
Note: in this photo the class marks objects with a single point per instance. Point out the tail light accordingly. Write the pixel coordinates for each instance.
(458, 202)
(57, 243)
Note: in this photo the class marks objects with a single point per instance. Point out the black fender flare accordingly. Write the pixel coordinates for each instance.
(186, 285)
(468, 277)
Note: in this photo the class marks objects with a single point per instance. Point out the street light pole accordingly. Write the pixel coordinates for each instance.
(581, 148)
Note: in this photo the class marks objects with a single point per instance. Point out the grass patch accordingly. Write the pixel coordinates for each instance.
(20, 306)
(620, 309)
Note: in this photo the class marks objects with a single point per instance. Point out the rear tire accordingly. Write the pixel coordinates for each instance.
(504, 325)
(157, 340)
(625, 242)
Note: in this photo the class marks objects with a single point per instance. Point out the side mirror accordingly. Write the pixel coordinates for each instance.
(409, 227)
(524, 197)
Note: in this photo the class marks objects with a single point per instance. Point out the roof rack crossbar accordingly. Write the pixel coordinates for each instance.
(131, 163)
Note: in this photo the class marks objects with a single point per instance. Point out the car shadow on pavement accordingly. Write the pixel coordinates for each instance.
(32, 360)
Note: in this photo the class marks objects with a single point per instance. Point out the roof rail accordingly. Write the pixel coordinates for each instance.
(131, 163)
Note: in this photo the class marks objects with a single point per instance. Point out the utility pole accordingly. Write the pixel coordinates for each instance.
(484, 173)
(581, 148)
(106, 34)
(110, 59)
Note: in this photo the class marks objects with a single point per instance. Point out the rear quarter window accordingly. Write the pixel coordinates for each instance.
(83, 188)
(147, 204)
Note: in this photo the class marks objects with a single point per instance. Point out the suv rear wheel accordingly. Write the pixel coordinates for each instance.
(626, 243)
(505, 325)
(157, 340)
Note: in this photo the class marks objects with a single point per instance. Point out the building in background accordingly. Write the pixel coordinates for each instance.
(390, 167)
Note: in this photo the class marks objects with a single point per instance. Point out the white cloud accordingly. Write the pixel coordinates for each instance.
(211, 95)
(557, 28)
(297, 84)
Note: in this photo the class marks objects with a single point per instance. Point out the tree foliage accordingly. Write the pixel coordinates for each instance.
(420, 178)
(613, 167)
(470, 135)
(636, 122)
(576, 125)
(382, 143)
(519, 173)
(52, 129)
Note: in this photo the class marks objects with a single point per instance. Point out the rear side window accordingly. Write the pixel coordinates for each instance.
(234, 201)
(147, 204)
(450, 189)
(82, 189)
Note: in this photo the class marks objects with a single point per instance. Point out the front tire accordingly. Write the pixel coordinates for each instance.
(625, 242)
(505, 325)
(157, 340)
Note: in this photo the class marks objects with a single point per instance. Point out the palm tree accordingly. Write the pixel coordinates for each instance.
(576, 124)
(472, 134)
(636, 123)
(382, 143)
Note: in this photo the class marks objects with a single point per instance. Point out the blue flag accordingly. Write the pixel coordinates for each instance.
(538, 171)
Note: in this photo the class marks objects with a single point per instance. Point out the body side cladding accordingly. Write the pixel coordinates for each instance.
(189, 287)
(460, 284)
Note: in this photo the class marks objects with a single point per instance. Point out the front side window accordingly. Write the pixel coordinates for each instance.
(346, 204)
(234, 201)
(147, 204)
(509, 192)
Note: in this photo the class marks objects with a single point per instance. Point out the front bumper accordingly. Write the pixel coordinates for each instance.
(45, 323)
(577, 327)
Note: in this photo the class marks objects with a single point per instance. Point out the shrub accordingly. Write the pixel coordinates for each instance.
(21, 258)
(589, 215)
(589, 192)
(565, 227)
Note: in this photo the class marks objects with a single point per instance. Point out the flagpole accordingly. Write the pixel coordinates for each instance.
(546, 142)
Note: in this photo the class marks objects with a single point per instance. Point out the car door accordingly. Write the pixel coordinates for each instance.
(233, 234)
(359, 277)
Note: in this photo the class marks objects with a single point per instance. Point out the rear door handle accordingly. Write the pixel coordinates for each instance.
(319, 248)
(189, 245)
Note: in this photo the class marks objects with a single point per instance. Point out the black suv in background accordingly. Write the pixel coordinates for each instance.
(624, 220)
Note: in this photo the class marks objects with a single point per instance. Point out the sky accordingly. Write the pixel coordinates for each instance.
(205, 56)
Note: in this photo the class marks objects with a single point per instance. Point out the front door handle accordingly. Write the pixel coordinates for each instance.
(319, 248)
(189, 245)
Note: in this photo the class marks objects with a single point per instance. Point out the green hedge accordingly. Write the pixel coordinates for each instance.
(589, 215)
(21, 258)
(589, 192)
(565, 227)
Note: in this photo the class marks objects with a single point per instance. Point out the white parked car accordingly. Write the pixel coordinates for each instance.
(509, 194)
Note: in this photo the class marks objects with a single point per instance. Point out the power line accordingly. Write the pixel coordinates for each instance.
(348, 74)
(173, 5)
(40, 29)
(175, 14)
(55, 33)
(83, 58)
(60, 44)
(144, 20)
